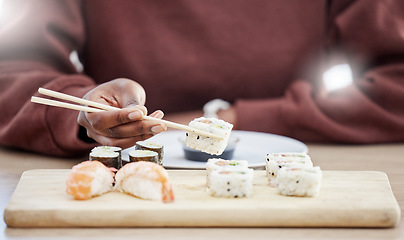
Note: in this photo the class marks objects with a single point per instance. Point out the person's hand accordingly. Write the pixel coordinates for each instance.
(123, 127)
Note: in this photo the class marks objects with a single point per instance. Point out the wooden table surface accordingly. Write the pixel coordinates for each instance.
(388, 158)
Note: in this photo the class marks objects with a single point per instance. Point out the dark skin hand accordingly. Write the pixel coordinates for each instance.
(122, 128)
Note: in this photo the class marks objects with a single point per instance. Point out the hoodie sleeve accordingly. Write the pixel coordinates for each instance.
(370, 35)
(36, 40)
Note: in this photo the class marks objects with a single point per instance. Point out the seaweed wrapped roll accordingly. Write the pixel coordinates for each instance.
(152, 146)
(109, 156)
(143, 155)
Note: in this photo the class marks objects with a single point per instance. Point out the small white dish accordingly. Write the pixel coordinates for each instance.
(252, 146)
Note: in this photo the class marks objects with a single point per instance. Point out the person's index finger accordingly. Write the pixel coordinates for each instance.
(135, 115)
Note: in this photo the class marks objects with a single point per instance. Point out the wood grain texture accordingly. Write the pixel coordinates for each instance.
(347, 199)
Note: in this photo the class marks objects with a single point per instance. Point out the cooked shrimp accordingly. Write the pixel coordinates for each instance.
(145, 180)
(88, 179)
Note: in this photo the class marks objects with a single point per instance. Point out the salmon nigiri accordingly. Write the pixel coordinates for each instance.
(146, 180)
(88, 179)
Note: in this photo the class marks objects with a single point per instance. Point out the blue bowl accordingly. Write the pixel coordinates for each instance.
(196, 155)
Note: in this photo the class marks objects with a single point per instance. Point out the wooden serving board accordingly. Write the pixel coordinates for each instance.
(347, 199)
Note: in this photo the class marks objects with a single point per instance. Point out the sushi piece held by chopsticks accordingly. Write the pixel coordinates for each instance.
(205, 143)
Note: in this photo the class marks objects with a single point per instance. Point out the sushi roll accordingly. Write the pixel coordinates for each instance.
(109, 156)
(231, 184)
(143, 155)
(89, 179)
(206, 144)
(152, 146)
(303, 182)
(221, 164)
(290, 156)
(276, 161)
(215, 164)
(107, 148)
(146, 180)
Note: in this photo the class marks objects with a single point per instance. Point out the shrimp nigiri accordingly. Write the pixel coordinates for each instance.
(146, 180)
(88, 179)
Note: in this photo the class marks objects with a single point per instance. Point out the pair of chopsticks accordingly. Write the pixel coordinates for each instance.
(99, 107)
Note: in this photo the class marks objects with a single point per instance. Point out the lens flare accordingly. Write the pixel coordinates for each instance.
(337, 77)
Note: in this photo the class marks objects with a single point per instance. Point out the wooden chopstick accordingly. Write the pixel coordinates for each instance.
(54, 103)
(70, 98)
(99, 107)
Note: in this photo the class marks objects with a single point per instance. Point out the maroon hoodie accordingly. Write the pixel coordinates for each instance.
(266, 57)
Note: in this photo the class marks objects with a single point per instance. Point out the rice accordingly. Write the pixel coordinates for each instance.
(303, 182)
(276, 161)
(138, 186)
(231, 184)
(206, 144)
(102, 182)
(218, 164)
